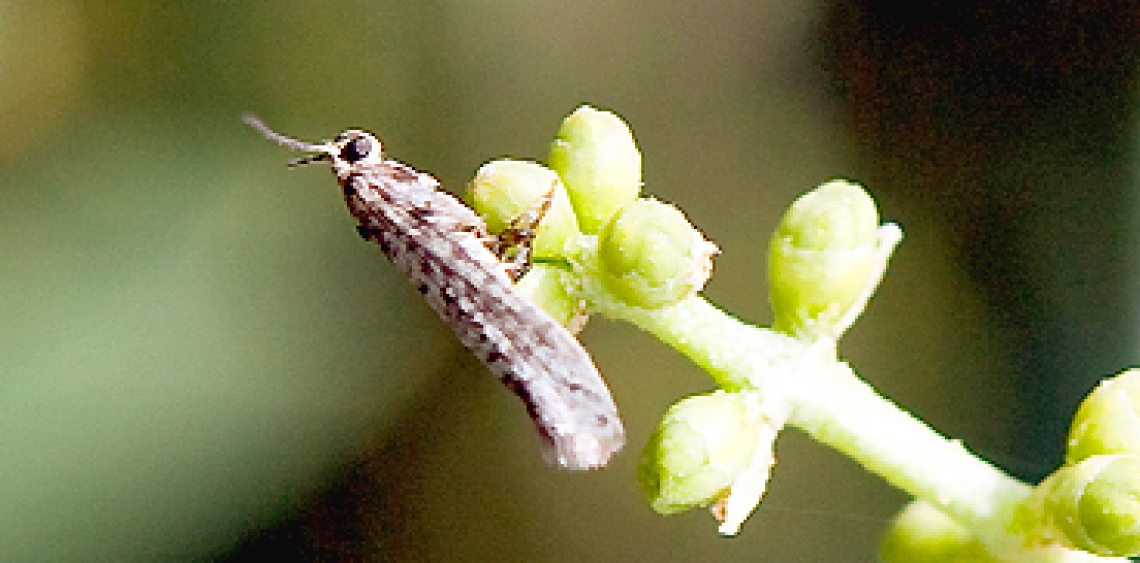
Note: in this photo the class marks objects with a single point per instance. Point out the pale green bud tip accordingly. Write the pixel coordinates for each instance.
(1108, 420)
(543, 286)
(923, 533)
(838, 215)
(823, 258)
(703, 444)
(504, 190)
(652, 256)
(597, 157)
(1096, 504)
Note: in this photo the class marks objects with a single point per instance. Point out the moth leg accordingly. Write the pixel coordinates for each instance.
(515, 242)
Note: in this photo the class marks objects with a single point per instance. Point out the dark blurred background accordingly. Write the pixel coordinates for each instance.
(202, 360)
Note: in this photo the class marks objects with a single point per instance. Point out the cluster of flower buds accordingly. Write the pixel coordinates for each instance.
(1094, 499)
(645, 252)
(603, 246)
(1086, 510)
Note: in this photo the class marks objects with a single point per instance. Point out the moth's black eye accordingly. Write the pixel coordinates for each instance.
(357, 149)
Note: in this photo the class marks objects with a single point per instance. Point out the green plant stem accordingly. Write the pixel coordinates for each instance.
(834, 406)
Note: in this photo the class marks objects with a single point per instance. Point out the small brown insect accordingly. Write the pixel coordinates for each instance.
(443, 246)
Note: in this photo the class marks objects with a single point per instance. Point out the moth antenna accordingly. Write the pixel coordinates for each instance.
(311, 158)
(288, 142)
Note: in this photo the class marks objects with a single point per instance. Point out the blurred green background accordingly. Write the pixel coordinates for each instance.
(202, 360)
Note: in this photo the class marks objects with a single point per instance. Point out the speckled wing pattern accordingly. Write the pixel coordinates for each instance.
(444, 248)
(441, 244)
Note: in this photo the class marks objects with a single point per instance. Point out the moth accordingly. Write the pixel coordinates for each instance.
(444, 248)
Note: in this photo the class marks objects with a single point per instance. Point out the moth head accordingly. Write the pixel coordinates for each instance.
(350, 152)
(354, 150)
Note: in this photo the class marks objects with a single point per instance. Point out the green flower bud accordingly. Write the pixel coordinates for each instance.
(651, 256)
(1096, 504)
(597, 157)
(543, 286)
(503, 190)
(704, 443)
(1108, 420)
(823, 260)
(923, 533)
